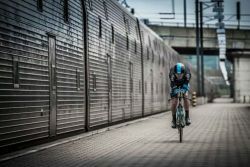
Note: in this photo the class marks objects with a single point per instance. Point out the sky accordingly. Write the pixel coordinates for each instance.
(150, 9)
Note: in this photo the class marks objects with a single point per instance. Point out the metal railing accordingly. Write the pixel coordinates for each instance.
(192, 25)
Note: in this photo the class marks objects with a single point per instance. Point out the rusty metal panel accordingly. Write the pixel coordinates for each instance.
(25, 75)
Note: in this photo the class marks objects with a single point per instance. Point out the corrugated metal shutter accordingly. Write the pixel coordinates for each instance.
(98, 65)
(25, 73)
(120, 66)
(70, 72)
(24, 78)
(154, 82)
(137, 70)
(157, 68)
(126, 99)
(147, 75)
(126, 73)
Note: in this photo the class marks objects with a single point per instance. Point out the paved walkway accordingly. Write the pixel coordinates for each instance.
(219, 136)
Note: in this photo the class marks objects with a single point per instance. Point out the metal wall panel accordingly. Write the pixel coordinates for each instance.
(70, 70)
(25, 104)
(137, 69)
(42, 68)
(116, 25)
(52, 76)
(157, 59)
(158, 78)
(121, 106)
(126, 73)
(98, 37)
(148, 70)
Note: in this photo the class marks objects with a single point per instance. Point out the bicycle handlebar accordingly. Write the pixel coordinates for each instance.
(178, 97)
(182, 92)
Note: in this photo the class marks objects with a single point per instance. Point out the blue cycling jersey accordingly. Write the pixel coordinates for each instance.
(175, 82)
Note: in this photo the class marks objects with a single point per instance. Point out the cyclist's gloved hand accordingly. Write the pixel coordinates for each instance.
(174, 91)
(185, 88)
(183, 91)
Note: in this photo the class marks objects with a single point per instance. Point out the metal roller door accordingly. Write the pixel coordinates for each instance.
(24, 85)
(41, 75)
(99, 70)
(70, 88)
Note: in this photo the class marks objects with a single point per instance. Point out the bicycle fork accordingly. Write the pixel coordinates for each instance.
(180, 116)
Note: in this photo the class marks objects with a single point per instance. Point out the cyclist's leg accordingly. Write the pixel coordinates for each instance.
(174, 105)
(174, 102)
(186, 107)
(186, 103)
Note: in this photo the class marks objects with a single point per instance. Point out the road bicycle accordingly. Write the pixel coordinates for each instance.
(180, 112)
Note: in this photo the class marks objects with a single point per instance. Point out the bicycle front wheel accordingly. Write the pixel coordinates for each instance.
(181, 133)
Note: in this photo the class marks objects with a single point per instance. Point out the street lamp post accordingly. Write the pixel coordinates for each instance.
(201, 50)
(197, 44)
(185, 13)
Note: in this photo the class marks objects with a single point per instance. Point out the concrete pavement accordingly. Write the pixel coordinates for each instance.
(218, 136)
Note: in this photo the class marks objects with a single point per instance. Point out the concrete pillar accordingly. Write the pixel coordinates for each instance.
(242, 79)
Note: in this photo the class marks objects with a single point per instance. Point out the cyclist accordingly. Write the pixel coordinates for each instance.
(179, 76)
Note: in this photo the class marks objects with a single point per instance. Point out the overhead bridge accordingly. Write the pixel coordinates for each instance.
(237, 51)
(183, 39)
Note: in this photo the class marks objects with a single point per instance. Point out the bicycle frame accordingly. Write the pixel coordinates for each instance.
(180, 112)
